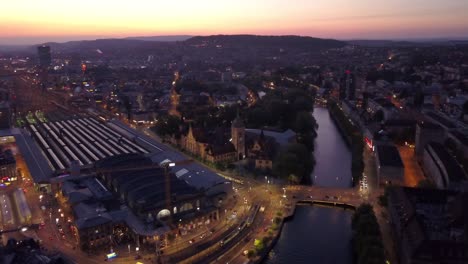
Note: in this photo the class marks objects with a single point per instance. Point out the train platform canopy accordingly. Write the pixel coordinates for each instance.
(38, 166)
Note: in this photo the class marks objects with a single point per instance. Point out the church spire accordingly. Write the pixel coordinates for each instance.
(237, 122)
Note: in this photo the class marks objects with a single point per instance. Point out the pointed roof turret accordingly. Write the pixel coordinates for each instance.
(237, 122)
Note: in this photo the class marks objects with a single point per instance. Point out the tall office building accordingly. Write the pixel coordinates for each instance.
(347, 86)
(45, 60)
(43, 53)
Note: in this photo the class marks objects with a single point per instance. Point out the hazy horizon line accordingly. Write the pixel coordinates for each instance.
(93, 38)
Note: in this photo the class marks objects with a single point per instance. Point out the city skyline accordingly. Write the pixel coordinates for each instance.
(29, 22)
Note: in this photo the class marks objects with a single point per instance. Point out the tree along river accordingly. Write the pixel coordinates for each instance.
(320, 234)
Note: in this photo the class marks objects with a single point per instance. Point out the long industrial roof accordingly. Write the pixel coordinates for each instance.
(39, 168)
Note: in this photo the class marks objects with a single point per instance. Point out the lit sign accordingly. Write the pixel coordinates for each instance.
(368, 142)
(111, 255)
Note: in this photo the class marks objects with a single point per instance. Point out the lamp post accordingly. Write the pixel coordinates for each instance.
(168, 188)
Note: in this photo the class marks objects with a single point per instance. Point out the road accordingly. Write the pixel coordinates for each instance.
(413, 172)
(254, 192)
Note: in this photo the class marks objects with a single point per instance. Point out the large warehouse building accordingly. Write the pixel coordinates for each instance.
(82, 156)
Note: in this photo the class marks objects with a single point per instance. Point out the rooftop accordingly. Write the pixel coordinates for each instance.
(454, 171)
(429, 125)
(388, 155)
(441, 120)
(462, 137)
(39, 167)
(193, 173)
(144, 186)
(434, 222)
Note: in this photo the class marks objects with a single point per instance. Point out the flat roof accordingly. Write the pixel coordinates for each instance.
(39, 167)
(453, 168)
(462, 137)
(429, 125)
(388, 155)
(441, 120)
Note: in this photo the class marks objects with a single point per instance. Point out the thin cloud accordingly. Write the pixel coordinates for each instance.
(428, 12)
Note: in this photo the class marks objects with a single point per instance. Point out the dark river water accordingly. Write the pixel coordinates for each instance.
(332, 155)
(315, 235)
(320, 234)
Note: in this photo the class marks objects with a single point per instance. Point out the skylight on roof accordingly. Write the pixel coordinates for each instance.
(181, 172)
(164, 161)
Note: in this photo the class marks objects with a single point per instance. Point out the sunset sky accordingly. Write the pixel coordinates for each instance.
(34, 21)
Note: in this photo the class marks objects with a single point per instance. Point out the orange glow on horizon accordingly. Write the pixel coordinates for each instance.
(321, 18)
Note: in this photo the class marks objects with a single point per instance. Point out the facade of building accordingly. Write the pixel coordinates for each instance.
(45, 59)
(427, 132)
(212, 148)
(135, 200)
(261, 151)
(238, 137)
(7, 167)
(5, 115)
(348, 86)
(216, 146)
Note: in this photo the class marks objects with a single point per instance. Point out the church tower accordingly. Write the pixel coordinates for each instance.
(238, 136)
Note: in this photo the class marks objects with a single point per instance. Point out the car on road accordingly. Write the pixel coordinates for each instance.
(191, 241)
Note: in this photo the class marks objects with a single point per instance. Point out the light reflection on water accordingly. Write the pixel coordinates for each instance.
(317, 234)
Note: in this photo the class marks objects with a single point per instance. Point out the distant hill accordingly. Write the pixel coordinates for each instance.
(257, 41)
(162, 38)
(235, 41)
(10, 48)
(136, 44)
(104, 45)
(407, 43)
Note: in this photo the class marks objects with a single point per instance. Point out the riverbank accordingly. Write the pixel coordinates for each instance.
(352, 136)
(289, 215)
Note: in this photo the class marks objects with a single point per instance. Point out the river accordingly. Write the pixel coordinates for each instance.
(316, 234)
(332, 155)
(320, 234)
